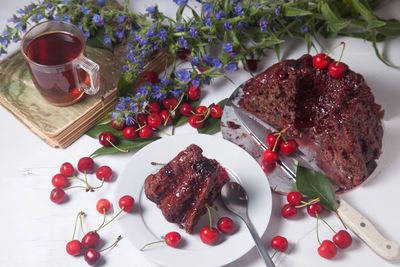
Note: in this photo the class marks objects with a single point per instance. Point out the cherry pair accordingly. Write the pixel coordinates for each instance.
(295, 201)
(336, 69)
(209, 234)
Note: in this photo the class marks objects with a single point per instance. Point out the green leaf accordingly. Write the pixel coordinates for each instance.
(97, 41)
(124, 86)
(270, 42)
(179, 13)
(131, 145)
(293, 12)
(376, 24)
(96, 130)
(335, 23)
(212, 125)
(315, 184)
(391, 28)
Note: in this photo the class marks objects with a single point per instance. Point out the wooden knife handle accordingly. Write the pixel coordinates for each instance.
(367, 232)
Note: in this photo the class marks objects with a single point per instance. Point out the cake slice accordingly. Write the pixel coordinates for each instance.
(184, 186)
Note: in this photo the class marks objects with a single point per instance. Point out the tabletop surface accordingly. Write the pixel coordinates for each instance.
(34, 231)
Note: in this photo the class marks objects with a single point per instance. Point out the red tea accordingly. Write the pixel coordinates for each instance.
(58, 85)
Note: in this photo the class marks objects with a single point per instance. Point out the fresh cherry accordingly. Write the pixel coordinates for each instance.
(92, 256)
(251, 64)
(209, 235)
(226, 225)
(270, 156)
(216, 111)
(86, 164)
(267, 167)
(186, 109)
(202, 69)
(321, 61)
(126, 202)
(173, 239)
(166, 117)
(342, 239)
(294, 198)
(67, 169)
(91, 239)
(141, 119)
(104, 172)
(57, 195)
(103, 206)
(170, 103)
(116, 125)
(337, 69)
(279, 243)
(129, 132)
(288, 211)
(314, 209)
(74, 247)
(152, 77)
(153, 107)
(154, 120)
(274, 138)
(196, 121)
(327, 249)
(288, 147)
(146, 131)
(59, 181)
(201, 110)
(194, 92)
(107, 138)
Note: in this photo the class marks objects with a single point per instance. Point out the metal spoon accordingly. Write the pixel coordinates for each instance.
(235, 198)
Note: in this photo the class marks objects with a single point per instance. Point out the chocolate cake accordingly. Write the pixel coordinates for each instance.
(338, 116)
(184, 186)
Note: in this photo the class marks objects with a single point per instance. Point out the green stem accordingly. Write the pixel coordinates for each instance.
(112, 245)
(151, 243)
(117, 148)
(76, 222)
(328, 225)
(273, 255)
(319, 241)
(76, 186)
(209, 216)
(112, 219)
(104, 218)
(80, 221)
(157, 163)
(76, 177)
(167, 134)
(215, 211)
(97, 187)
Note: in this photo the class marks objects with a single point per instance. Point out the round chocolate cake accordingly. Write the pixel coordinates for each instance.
(339, 117)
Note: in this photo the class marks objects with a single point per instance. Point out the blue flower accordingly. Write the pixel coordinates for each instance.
(14, 20)
(195, 61)
(107, 39)
(219, 14)
(4, 41)
(119, 34)
(193, 32)
(231, 66)
(100, 2)
(151, 9)
(183, 42)
(151, 31)
(181, 2)
(207, 8)
(15, 38)
(65, 2)
(66, 17)
(263, 25)
(6, 32)
(141, 90)
(183, 75)
(163, 34)
(238, 10)
(156, 92)
(304, 28)
(85, 10)
(227, 26)
(49, 5)
(129, 120)
(87, 34)
(196, 81)
(241, 25)
(144, 41)
(120, 106)
(98, 20)
(216, 63)
(39, 17)
(257, 4)
(134, 107)
(277, 9)
(180, 28)
(143, 53)
(120, 18)
(19, 26)
(228, 47)
(207, 80)
(21, 11)
(207, 59)
(177, 93)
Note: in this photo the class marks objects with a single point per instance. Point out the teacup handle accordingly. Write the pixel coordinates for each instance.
(90, 68)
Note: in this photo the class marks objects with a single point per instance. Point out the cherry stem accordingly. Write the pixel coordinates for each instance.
(117, 148)
(112, 245)
(177, 105)
(97, 187)
(157, 163)
(333, 48)
(276, 142)
(76, 177)
(76, 186)
(166, 120)
(76, 222)
(151, 243)
(328, 225)
(207, 113)
(341, 54)
(319, 241)
(316, 200)
(104, 218)
(167, 134)
(215, 211)
(112, 219)
(273, 255)
(80, 221)
(209, 216)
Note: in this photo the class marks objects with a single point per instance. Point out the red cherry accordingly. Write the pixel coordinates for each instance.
(294, 198)
(337, 69)
(267, 167)
(288, 147)
(279, 243)
(91, 240)
(116, 125)
(272, 139)
(129, 133)
(86, 164)
(74, 247)
(216, 111)
(201, 110)
(152, 77)
(106, 138)
(173, 239)
(103, 205)
(209, 235)
(194, 92)
(226, 225)
(196, 121)
(270, 156)
(146, 131)
(141, 119)
(104, 172)
(170, 103)
(321, 61)
(251, 64)
(288, 211)
(165, 116)
(92, 256)
(186, 109)
(59, 181)
(126, 202)
(202, 69)
(153, 107)
(182, 53)
(327, 249)
(342, 239)
(315, 208)
(57, 195)
(67, 169)
(154, 120)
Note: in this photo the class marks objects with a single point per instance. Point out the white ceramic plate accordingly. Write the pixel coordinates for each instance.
(146, 222)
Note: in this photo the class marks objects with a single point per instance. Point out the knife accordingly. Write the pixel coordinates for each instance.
(354, 220)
